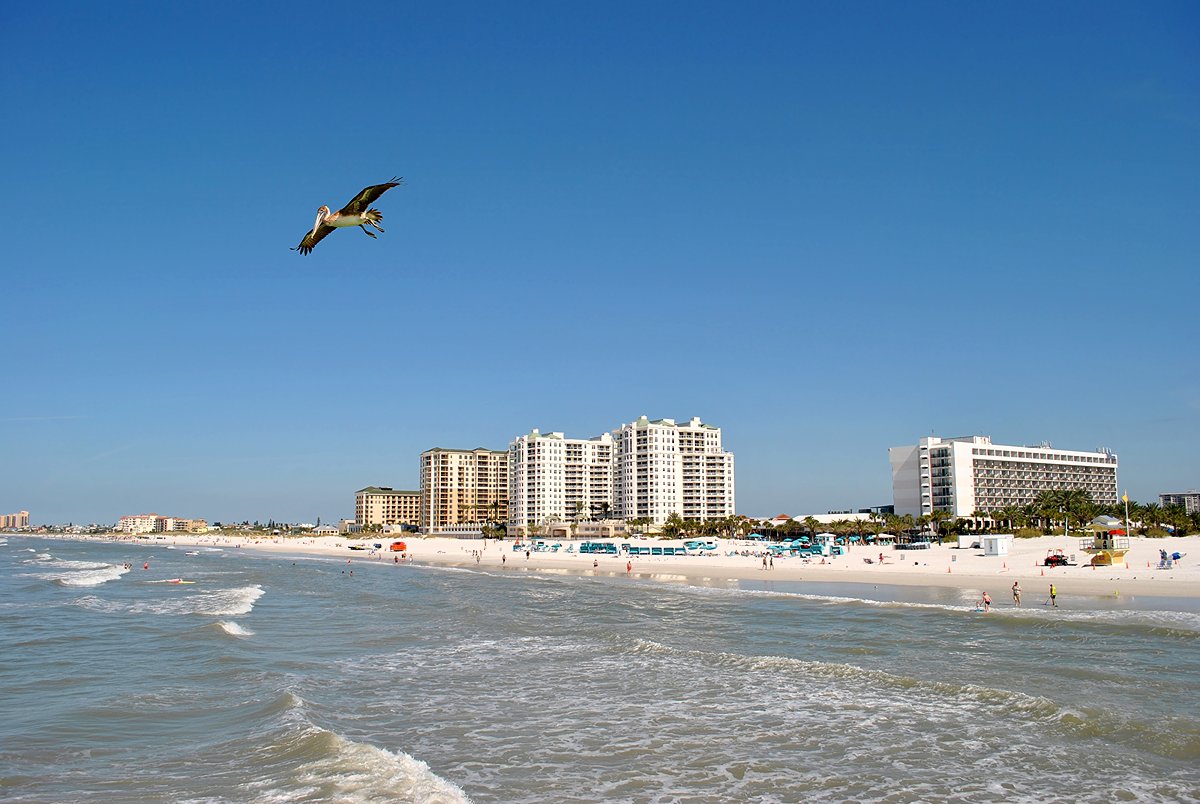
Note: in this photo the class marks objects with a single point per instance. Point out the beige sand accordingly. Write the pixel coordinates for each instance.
(944, 566)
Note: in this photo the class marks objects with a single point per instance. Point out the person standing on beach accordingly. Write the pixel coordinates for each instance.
(1053, 596)
(1017, 594)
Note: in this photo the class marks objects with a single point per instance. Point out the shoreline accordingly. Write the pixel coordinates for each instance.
(942, 566)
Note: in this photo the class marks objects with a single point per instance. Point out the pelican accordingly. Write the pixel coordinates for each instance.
(353, 214)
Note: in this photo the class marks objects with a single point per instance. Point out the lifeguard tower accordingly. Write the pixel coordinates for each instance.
(1109, 545)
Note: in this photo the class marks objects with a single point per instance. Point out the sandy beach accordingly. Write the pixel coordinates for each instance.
(941, 566)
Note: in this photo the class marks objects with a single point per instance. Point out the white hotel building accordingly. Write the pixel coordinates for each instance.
(552, 478)
(969, 474)
(645, 469)
(664, 468)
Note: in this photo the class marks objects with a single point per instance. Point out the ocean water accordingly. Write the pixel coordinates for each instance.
(288, 679)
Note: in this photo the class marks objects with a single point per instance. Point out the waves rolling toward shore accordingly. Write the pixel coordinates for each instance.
(436, 684)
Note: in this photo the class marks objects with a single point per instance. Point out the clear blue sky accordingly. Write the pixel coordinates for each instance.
(827, 228)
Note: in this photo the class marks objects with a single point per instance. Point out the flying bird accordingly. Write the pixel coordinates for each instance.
(355, 213)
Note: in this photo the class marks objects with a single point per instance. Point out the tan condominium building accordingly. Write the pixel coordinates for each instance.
(462, 487)
(963, 475)
(383, 505)
(17, 520)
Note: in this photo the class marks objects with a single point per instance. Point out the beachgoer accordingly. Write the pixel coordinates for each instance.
(1053, 595)
(1017, 594)
(764, 562)
(629, 566)
(772, 562)
(526, 555)
(987, 602)
(881, 558)
(503, 558)
(595, 563)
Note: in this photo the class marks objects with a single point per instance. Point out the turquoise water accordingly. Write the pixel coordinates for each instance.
(274, 679)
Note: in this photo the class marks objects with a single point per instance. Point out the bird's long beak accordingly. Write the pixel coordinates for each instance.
(321, 213)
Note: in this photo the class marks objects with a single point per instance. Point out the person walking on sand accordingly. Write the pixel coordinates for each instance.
(1053, 596)
(987, 602)
(629, 566)
(1017, 594)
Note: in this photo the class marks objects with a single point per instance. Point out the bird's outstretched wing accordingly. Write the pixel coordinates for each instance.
(360, 202)
(312, 238)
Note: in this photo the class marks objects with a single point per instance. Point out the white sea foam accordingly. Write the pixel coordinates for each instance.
(233, 629)
(352, 772)
(217, 602)
(93, 577)
(79, 573)
(1179, 620)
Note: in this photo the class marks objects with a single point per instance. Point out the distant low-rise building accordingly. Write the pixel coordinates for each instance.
(384, 505)
(138, 523)
(1190, 500)
(153, 523)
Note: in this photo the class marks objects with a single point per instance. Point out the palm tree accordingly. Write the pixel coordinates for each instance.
(673, 527)
(936, 518)
(1151, 513)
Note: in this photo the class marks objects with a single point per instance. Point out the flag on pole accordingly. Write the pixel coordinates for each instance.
(1125, 497)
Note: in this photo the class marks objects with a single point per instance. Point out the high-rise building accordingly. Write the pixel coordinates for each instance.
(382, 505)
(556, 479)
(1190, 500)
(17, 520)
(463, 487)
(707, 476)
(663, 468)
(963, 475)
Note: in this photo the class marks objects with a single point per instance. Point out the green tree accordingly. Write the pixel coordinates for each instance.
(673, 527)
